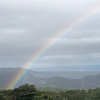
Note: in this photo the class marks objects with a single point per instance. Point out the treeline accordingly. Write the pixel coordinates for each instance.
(29, 92)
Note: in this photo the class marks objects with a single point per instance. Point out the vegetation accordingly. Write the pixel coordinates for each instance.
(29, 92)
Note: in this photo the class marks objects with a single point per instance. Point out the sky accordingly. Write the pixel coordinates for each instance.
(27, 25)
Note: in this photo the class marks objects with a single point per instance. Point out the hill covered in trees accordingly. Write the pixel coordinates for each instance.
(29, 92)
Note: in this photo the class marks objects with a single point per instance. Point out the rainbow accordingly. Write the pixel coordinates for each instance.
(67, 29)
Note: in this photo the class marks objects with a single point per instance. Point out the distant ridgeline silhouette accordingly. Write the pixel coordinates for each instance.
(52, 79)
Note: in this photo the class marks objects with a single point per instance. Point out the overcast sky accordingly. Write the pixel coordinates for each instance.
(27, 25)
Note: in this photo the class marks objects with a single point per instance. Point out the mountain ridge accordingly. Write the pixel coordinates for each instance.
(55, 81)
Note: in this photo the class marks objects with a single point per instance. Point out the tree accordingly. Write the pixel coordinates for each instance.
(25, 92)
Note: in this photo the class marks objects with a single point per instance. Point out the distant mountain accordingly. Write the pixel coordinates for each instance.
(66, 74)
(69, 80)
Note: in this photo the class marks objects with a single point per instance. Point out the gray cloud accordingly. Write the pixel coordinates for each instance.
(74, 52)
(26, 26)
